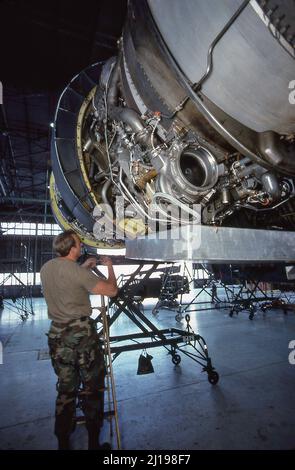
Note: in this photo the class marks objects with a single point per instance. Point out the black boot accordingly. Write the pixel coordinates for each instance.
(64, 422)
(93, 439)
(93, 443)
(63, 443)
(93, 429)
(105, 446)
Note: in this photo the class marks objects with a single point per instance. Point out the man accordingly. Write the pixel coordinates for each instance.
(74, 344)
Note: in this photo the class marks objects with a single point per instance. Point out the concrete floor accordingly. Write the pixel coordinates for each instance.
(176, 408)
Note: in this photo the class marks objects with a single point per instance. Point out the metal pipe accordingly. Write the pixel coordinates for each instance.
(128, 116)
(2, 187)
(263, 209)
(273, 150)
(46, 194)
(271, 185)
(25, 200)
(35, 254)
(248, 170)
(226, 196)
(10, 148)
(104, 197)
(22, 214)
(277, 152)
(129, 197)
(146, 178)
(197, 86)
(112, 91)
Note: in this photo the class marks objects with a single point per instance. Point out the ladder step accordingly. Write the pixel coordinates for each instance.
(109, 414)
(80, 419)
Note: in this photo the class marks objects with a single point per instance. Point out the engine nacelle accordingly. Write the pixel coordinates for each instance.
(191, 122)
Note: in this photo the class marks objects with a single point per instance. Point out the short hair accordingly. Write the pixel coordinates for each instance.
(63, 242)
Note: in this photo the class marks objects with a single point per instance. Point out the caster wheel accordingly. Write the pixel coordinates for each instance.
(231, 313)
(178, 317)
(213, 377)
(251, 316)
(176, 359)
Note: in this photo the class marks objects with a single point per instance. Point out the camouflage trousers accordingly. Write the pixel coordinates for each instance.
(78, 362)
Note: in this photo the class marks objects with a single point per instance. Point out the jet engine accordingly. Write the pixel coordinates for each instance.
(193, 121)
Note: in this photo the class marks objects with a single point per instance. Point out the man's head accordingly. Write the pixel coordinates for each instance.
(67, 244)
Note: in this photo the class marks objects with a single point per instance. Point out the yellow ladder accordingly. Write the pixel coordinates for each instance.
(112, 412)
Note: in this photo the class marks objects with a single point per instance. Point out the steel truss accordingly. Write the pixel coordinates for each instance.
(249, 295)
(22, 305)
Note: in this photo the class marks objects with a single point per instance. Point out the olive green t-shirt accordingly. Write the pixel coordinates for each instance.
(66, 288)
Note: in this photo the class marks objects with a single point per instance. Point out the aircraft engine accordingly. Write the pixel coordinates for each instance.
(193, 120)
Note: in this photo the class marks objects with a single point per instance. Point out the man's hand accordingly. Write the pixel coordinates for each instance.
(107, 286)
(106, 261)
(89, 263)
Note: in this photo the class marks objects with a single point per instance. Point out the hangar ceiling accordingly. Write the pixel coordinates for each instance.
(44, 44)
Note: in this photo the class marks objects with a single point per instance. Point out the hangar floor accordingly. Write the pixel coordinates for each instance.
(175, 408)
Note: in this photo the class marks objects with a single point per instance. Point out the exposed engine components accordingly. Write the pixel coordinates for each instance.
(143, 141)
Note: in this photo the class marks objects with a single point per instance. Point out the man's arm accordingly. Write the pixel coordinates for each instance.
(106, 286)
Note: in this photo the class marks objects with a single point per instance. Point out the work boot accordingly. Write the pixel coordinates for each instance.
(105, 446)
(93, 440)
(93, 428)
(93, 444)
(63, 443)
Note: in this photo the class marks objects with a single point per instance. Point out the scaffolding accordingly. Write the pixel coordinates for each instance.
(16, 283)
(235, 291)
(24, 247)
(174, 340)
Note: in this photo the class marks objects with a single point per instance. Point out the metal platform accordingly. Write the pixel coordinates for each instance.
(203, 244)
(174, 340)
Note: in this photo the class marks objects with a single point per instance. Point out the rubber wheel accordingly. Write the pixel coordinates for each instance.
(213, 377)
(178, 317)
(231, 313)
(251, 316)
(176, 359)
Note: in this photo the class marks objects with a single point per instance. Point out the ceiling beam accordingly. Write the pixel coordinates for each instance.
(25, 200)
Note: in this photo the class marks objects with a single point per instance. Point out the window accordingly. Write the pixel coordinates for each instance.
(16, 279)
(26, 228)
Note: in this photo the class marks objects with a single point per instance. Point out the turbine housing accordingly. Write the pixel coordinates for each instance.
(182, 120)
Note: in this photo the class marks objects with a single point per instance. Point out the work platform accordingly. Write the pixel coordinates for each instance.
(174, 340)
(206, 244)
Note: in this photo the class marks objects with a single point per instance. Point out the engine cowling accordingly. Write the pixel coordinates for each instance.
(187, 127)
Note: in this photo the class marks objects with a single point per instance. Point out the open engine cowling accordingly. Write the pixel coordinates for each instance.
(193, 120)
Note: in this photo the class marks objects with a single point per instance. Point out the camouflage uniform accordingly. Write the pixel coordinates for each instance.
(77, 358)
